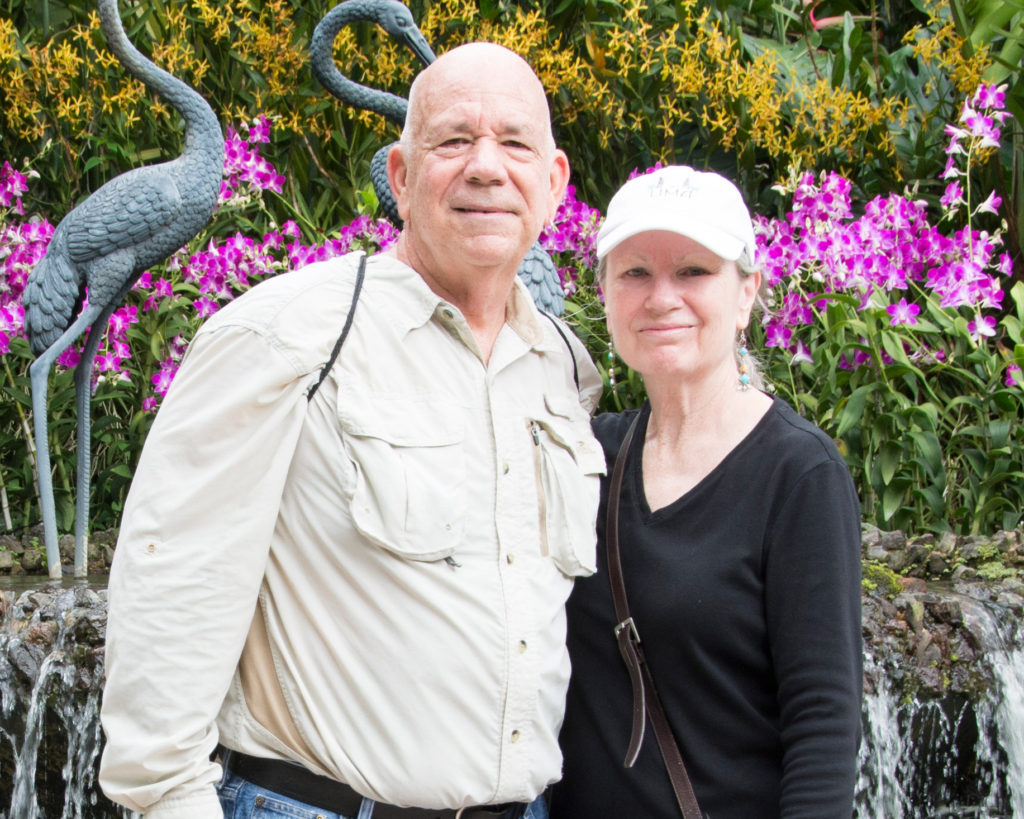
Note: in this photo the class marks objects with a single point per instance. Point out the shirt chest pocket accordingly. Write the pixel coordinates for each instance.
(569, 463)
(409, 487)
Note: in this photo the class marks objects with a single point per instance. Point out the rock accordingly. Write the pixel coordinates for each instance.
(33, 537)
(917, 553)
(1006, 542)
(108, 537)
(971, 548)
(947, 544)
(965, 573)
(937, 565)
(1014, 602)
(890, 541)
(869, 534)
(946, 611)
(12, 544)
(913, 611)
(876, 553)
(25, 658)
(33, 560)
(914, 584)
(6, 561)
(897, 560)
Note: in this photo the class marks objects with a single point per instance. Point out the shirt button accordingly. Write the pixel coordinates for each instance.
(522, 646)
(515, 735)
(510, 558)
(505, 468)
(448, 313)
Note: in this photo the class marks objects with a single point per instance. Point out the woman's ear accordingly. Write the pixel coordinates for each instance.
(750, 286)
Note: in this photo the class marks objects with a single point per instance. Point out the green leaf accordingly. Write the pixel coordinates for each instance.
(853, 409)
(892, 499)
(891, 455)
(1017, 294)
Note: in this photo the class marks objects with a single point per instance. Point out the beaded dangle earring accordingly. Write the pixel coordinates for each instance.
(611, 364)
(744, 358)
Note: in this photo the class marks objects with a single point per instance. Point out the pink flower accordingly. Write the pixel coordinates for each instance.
(903, 313)
(991, 204)
(1013, 376)
(205, 307)
(954, 194)
(982, 326)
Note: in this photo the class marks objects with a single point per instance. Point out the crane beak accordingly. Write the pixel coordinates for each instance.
(419, 46)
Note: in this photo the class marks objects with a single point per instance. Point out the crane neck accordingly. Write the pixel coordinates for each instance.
(202, 128)
(322, 60)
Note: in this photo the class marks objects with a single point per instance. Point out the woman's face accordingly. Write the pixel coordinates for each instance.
(674, 307)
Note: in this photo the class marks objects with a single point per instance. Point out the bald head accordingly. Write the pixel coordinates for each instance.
(466, 69)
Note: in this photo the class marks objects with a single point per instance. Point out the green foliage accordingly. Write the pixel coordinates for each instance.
(930, 440)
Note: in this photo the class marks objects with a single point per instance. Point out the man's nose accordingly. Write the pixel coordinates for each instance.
(486, 163)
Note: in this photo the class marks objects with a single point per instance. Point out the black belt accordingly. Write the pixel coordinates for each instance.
(296, 782)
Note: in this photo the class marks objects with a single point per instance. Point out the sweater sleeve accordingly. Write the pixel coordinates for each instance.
(814, 628)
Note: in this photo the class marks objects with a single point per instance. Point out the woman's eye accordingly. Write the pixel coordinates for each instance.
(635, 272)
(693, 270)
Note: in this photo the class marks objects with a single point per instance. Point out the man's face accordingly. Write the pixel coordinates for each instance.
(478, 175)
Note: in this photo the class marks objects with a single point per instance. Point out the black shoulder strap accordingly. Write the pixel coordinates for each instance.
(645, 695)
(568, 346)
(360, 275)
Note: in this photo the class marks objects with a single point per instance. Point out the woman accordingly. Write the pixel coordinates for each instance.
(739, 528)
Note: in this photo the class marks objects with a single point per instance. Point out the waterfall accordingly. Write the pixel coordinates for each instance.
(50, 681)
(879, 792)
(954, 756)
(1006, 655)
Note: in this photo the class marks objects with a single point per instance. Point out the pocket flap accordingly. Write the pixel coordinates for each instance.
(400, 420)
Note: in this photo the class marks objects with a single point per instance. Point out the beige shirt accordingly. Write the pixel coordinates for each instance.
(397, 551)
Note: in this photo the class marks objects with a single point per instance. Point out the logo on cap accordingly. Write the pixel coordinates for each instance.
(665, 189)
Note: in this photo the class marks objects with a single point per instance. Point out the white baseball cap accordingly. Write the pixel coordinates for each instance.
(700, 205)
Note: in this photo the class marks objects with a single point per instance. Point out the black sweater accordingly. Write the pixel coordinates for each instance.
(746, 594)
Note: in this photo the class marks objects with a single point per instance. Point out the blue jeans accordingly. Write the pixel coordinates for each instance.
(241, 799)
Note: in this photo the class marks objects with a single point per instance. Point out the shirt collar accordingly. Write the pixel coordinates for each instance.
(418, 304)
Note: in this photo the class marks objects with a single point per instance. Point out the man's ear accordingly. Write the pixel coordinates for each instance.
(398, 178)
(559, 182)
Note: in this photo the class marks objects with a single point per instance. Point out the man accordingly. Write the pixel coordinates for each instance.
(360, 596)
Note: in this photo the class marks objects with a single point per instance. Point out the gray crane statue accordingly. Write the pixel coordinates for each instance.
(129, 224)
(537, 269)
